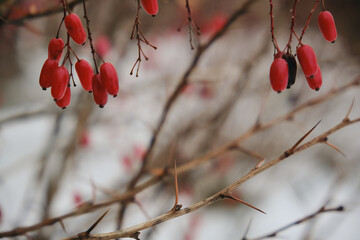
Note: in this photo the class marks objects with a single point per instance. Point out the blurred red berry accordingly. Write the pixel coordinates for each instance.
(327, 26)
(47, 73)
(279, 74)
(84, 140)
(307, 59)
(99, 92)
(109, 78)
(75, 28)
(150, 6)
(102, 45)
(65, 101)
(215, 24)
(60, 82)
(139, 152)
(315, 82)
(85, 74)
(55, 48)
(77, 199)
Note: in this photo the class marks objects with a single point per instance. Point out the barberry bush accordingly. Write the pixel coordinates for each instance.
(236, 119)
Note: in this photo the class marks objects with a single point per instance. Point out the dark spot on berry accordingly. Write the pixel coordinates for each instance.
(44, 89)
(153, 15)
(317, 89)
(101, 106)
(279, 92)
(90, 91)
(63, 107)
(333, 41)
(115, 95)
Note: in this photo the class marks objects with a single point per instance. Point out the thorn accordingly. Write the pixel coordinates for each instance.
(334, 147)
(259, 164)
(348, 113)
(97, 222)
(243, 202)
(62, 225)
(303, 137)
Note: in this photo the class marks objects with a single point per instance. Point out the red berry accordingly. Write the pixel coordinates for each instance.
(55, 48)
(65, 101)
(60, 82)
(75, 28)
(99, 91)
(150, 6)
(307, 59)
(110, 79)
(327, 26)
(47, 73)
(85, 73)
(315, 82)
(279, 74)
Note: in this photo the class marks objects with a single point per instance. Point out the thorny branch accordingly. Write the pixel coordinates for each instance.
(128, 232)
(187, 166)
(302, 220)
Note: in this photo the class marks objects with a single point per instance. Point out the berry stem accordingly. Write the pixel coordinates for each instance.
(308, 20)
(273, 39)
(288, 46)
(93, 52)
(323, 5)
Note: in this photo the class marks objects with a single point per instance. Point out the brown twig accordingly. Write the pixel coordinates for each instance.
(191, 24)
(139, 36)
(46, 12)
(308, 20)
(302, 220)
(93, 52)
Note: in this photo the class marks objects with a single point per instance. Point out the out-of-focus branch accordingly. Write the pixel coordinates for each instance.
(44, 13)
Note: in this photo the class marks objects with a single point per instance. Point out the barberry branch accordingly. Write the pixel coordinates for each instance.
(288, 46)
(127, 232)
(93, 52)
(128, 195)
(273, 39)
(191, 23)
(139, 36)
(275, 233)
(308, 20)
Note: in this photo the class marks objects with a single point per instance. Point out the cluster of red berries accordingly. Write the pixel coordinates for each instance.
(283, 69)
(58, 78)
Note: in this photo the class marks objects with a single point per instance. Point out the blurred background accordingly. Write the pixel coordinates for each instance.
(54, 161)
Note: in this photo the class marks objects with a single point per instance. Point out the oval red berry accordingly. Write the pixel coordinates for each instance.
(65, 101)
(110, 79)
(99, 92)
(85, 74)
(327, 26)
(75, 28)
(315, 82)
(307, 59)
(150, 6)
(279, 74)
(47, 73)
(55, 48)
(60, 82)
